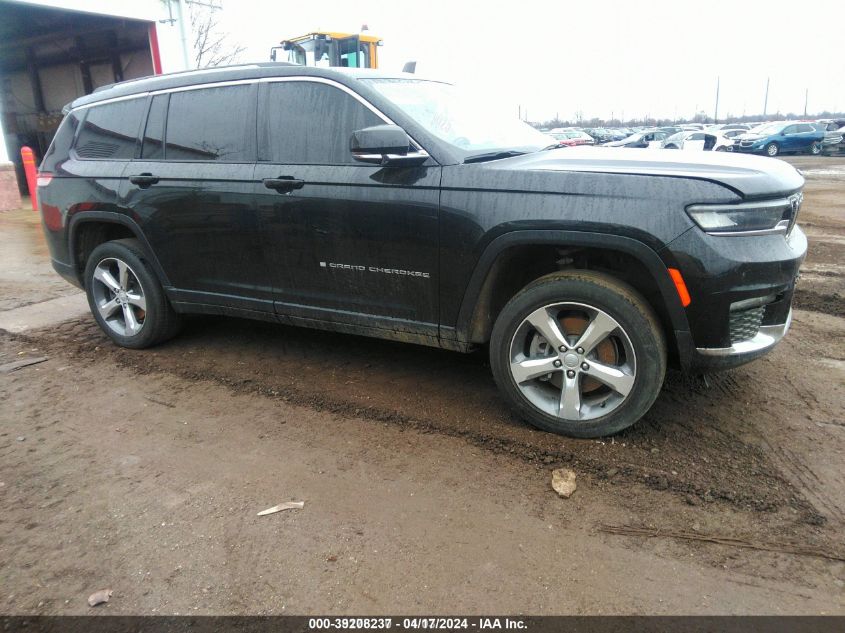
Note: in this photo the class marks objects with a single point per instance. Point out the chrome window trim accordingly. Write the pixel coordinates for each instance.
(256, 80)
(139, 95)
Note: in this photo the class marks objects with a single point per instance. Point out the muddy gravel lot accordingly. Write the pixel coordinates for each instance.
(143, 471)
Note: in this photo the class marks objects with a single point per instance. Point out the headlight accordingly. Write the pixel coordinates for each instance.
(757, 218)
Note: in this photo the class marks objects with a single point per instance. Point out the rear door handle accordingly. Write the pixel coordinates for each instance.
(143, 180)
(283, 184)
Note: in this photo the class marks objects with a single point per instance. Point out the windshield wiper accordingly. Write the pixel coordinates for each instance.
(480, 158)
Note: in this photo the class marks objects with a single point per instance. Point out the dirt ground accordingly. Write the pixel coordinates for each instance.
(143, 471)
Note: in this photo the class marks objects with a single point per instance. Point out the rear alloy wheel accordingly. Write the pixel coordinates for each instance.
(579, 354)
(816, 148)
(125, 296)
(119, 297)
(772, 149)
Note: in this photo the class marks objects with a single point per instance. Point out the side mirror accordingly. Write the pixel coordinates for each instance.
(385, 145)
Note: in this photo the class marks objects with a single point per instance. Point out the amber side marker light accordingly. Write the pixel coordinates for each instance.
(680, 286)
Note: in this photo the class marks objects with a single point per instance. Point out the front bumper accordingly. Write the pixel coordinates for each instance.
(741, 289)
(756, 148)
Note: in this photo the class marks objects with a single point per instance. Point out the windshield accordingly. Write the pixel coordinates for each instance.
(469, 123)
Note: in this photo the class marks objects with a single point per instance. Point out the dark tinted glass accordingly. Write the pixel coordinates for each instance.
(60, 147)
(153, 145)
(310, 123)
(212, 124)
(109, 131)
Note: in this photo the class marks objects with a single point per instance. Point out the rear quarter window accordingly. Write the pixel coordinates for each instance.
(59, 149)
(110, 131)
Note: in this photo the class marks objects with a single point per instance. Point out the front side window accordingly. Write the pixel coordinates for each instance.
(109, 131)
(211, 124)
(306, 122)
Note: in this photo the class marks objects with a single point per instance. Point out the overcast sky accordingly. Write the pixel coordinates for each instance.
(600, 57)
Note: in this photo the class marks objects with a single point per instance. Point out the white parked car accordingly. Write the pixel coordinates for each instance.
(697, 140)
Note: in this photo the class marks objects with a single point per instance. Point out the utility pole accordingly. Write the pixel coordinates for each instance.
(806, 97)
(766, 100)
(716, 112)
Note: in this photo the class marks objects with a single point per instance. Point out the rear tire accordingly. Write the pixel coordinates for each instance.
(125, 296)
(606, 386)
(816, 148)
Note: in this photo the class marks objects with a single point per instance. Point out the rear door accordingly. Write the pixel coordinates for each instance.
(347, 242)
(191, 189)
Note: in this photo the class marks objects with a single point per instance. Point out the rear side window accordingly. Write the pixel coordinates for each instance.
(153, 143)
(110, 131)
(214, 124)
(306, 122)
(60, 147)
(805, 127)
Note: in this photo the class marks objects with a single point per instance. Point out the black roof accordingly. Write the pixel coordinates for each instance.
(223, 73)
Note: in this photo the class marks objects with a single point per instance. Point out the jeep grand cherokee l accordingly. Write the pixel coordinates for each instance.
(392, 206)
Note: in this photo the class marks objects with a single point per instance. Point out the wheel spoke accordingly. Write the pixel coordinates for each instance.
(546, 324)
(123, 274)
(570, 398)
(104, 277)
(137, 299)
(108, 308)
(599, 329)
(614, 378)
(523, 371)
(132, 325)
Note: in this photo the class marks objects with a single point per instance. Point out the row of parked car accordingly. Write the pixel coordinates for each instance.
(770, 139)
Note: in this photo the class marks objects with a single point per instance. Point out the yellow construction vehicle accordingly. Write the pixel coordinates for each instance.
(327, 48)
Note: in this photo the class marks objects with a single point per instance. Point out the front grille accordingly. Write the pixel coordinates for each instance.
(745, 324)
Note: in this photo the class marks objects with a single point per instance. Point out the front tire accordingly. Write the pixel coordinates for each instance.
(126, 297)
(772, 149)
(578, 353)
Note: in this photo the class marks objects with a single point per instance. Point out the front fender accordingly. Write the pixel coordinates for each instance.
(649, 258)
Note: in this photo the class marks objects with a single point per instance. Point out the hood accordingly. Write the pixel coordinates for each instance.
(748, 136)
(749, 175)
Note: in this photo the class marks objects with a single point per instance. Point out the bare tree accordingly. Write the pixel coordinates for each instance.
(211, 45)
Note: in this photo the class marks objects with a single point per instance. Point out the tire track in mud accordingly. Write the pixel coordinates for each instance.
(694, 442)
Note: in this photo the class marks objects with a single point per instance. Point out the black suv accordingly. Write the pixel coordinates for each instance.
(392, 206)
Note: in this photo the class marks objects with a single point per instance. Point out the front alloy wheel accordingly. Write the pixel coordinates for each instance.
(573, 361)
(579, 353)
(772, 149)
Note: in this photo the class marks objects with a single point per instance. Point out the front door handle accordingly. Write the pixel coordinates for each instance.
(283, 184)
(144, 180)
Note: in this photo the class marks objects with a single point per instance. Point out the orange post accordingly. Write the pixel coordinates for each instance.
(28, 157)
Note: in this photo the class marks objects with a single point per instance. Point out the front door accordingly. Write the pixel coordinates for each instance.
(346, 242)
(194, 197)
